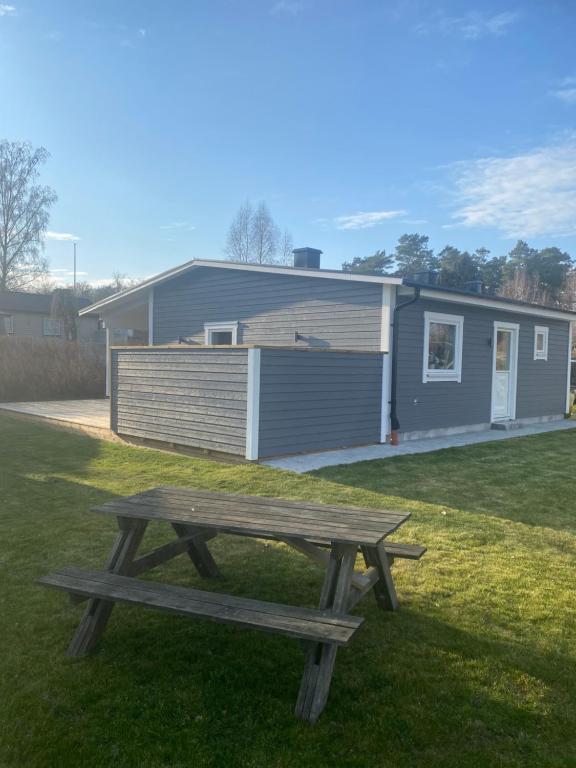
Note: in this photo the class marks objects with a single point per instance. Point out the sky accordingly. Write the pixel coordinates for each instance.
(354, 121)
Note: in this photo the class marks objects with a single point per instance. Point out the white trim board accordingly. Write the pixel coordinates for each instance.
(151, 317)
(503, 306)
(388, 304)
(571, 331)
(253, 405)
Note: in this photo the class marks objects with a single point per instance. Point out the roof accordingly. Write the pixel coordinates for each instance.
(143, 288)
(35, 303)
(140, 292)
(488, 299)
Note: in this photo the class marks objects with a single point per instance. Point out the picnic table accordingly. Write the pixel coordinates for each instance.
(331, 536)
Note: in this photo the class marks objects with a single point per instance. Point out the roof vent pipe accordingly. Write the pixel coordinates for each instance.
(474, 286)
(307, 258)
(426, 277)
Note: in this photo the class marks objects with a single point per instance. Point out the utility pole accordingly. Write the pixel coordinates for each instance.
(74, 268)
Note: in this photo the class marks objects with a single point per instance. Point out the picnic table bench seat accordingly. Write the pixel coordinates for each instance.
(293, 621)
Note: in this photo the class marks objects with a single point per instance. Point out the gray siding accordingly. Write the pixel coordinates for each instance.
(312, 401)
(270, 308)
(188, 397)
(541, 384)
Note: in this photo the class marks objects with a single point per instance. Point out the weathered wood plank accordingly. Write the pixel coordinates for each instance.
(197, 550)
(97, 612)
(297, 622)
(272, 527)
(384, 588)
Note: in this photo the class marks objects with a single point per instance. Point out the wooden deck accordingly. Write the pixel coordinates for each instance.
(94, 414)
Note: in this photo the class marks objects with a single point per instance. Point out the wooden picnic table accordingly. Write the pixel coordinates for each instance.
(331, 536)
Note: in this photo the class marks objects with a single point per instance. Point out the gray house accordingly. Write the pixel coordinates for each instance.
(29, 314)
(260, 361)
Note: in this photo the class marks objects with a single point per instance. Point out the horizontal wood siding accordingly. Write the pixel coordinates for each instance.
(312, 401)
(436, 405)
(194, 398)
(270, 309)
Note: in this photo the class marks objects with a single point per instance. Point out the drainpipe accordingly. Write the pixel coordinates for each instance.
(394, 423)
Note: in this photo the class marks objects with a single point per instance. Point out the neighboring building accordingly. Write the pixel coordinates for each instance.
(29, 314)
(456, 361)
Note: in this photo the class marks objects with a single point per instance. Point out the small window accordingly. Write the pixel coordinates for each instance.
(8, 322)
(540, 343)
(221, 333)
(443, 336)
(52, 326)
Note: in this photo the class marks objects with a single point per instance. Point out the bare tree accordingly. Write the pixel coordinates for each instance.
(24, 214)
(525, 287)
(264, 236)
(65, 308)
(255, 238)
(238, 244)
(286, 248)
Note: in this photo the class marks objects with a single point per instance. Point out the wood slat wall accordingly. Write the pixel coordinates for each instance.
(312, 401)
(194, 398)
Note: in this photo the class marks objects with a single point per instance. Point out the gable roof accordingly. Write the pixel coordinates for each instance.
(140, 292)
(142, 289)
(34, 303)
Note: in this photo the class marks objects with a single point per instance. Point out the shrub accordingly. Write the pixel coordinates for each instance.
(50, 369)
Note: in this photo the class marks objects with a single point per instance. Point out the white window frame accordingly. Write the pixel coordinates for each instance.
(429, 375)
(8, 321)
(47, 320)
(210, 328)
(541, 354)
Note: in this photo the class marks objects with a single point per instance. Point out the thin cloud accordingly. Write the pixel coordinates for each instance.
(286, 7)
(525, 195)
(365, 219)
(7, 10)
(474, 25)
(566, 90)
(183, 226)
(63, 236)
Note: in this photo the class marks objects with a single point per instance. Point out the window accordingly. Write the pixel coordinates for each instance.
(8, 322)
(540, 342)
(443, 336)
(221, 333)
(52, 326)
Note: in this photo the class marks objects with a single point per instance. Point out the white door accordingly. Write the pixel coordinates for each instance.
(504, 371)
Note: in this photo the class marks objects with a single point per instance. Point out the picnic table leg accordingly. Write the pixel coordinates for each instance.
(198, 551)
(384, 588)
(98, 611)
(321, 657)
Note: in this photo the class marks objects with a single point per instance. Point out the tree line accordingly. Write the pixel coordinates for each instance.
(545, 276)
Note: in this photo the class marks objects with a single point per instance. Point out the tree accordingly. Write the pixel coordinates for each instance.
(413, 255)
(264, 236)
(238, 244)
(548, 267)
(65, 308)
(286, 248)
(457, 268)
(379, 263)
(24, 214)
(490, 271)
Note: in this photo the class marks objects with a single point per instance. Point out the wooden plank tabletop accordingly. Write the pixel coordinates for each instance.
(258, 515)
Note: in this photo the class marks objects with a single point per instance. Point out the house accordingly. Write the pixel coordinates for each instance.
(29, 314)
(263, 360)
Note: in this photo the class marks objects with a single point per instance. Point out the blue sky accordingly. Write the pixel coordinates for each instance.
(355, 121)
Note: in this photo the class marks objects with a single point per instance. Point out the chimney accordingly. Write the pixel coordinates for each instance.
(307, 258)
(474, 286)
(428, 277)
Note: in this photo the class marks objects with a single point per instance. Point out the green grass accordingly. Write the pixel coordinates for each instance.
(477, 669)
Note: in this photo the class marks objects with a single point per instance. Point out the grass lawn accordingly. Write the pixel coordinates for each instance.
(477, 669)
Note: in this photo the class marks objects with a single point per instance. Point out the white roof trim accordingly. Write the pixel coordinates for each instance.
(183, 268)
(503, 306)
